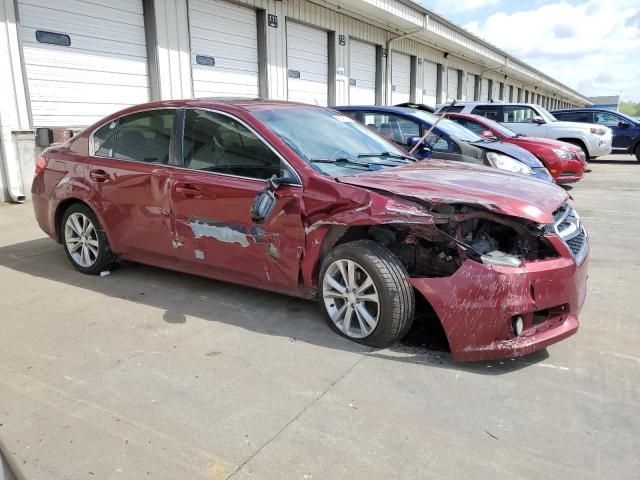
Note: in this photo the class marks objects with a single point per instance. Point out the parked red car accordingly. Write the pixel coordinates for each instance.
(302, 200)
(565, 162)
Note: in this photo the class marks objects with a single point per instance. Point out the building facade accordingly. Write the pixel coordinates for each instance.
(65, 64)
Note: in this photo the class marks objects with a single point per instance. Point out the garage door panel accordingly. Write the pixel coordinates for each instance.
(307, 53)
(103, 70)
(229, 34)
(400, 78)
(430, 83)
(362, 71)
(453, 77)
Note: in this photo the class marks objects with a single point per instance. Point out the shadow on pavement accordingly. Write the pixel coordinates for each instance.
(182, 296)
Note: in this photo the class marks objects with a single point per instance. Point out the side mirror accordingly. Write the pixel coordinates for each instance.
(411, 141)
(265, 200)
(538, 119)
(623, 124)
(487, 134)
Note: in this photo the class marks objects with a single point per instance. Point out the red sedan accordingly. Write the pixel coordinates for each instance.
(566, 162)
(302, 200)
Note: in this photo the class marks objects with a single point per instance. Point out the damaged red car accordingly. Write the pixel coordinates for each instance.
(302, 200)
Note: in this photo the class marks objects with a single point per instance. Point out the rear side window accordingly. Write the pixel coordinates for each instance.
(584, 117)
(145, 137)
(217, 143)
(489, 111)
(140, 137)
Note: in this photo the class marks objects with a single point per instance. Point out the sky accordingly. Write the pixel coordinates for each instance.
(591, 46)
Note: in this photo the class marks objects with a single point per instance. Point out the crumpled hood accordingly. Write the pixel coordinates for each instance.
(512, 150)
(442, 182)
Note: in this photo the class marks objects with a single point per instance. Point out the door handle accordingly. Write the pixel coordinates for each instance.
(189, 191)
(99, 175)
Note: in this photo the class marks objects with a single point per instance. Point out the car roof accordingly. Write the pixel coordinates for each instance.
(383, 109)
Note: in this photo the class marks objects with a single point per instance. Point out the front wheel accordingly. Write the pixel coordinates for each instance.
(364, 293)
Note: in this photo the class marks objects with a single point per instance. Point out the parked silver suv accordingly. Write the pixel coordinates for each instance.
(535, 121)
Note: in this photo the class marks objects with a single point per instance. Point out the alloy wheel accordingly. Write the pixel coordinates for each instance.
(81, 238)
(351, 298)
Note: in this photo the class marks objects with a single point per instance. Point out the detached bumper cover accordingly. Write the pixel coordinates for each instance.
(600, 145)
(476, 305)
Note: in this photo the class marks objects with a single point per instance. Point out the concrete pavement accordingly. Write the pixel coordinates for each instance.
(147, 373)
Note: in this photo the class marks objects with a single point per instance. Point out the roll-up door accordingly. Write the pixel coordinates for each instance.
(362, 73)
(400, 78)
(453, 77)
(224, 49)
(307, 64)
(471, 87)
(82, 60)
(430, 84)
(484, 90)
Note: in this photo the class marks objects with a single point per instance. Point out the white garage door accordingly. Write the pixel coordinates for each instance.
(362, 73)
(453, 77)
(430, 84)
(308, 64)
(484, 90)
(400, 78)
(471, 87)
(82, 60)
(224, 49)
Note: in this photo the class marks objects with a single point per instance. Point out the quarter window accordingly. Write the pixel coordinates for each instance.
(519, 114)
(217, 143)
(104, 139)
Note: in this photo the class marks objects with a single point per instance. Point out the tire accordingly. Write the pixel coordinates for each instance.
(394, 311)
(637, 152)
(92, 254)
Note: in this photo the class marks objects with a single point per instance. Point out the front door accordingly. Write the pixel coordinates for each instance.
(225, 165)
(129, 176)
(622, 136)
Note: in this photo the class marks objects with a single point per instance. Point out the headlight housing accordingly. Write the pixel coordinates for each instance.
(598, 131)
(563, 154)
(510, 164)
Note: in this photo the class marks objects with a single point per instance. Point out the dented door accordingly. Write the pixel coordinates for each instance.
(225, 165)
(215, 236)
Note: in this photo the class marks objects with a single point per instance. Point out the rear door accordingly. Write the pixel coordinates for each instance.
(129, 175)
(225, 164)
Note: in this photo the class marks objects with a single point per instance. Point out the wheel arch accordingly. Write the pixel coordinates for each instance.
(64, 205)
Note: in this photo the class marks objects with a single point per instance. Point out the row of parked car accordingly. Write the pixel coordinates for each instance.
(330, 204)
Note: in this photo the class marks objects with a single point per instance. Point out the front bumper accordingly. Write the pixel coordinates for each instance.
(571, 171)
(477, 304)
(600, 145)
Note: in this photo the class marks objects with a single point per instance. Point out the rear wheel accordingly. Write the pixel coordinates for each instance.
(638, 152)
(364, 293)
(84, 240)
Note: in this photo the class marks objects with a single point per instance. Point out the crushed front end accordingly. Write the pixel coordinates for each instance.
(501, 286)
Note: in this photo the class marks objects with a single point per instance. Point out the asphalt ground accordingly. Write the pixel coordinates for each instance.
(147, 373)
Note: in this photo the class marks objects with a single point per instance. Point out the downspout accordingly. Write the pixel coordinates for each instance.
(11, 168)
(387, 67)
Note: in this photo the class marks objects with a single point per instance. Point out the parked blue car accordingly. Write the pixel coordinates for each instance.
(626, 130)
(448, 140)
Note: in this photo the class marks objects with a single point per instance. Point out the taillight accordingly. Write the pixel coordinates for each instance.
(40, 164)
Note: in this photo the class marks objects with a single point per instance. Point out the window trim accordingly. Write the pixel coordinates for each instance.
(176, 147)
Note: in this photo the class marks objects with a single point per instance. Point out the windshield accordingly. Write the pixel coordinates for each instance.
(507, 132)
(330, 142)
(449, 127)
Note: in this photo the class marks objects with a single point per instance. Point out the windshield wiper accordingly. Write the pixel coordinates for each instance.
(387, 155)
(353, 161)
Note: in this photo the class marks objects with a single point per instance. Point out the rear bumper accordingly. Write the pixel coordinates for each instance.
(477, 304)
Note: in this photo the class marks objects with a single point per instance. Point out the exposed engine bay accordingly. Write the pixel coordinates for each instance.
(459, 234)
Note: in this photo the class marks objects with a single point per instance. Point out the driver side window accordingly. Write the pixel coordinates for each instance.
(606, 119)
(217, 143)
(393, 127)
